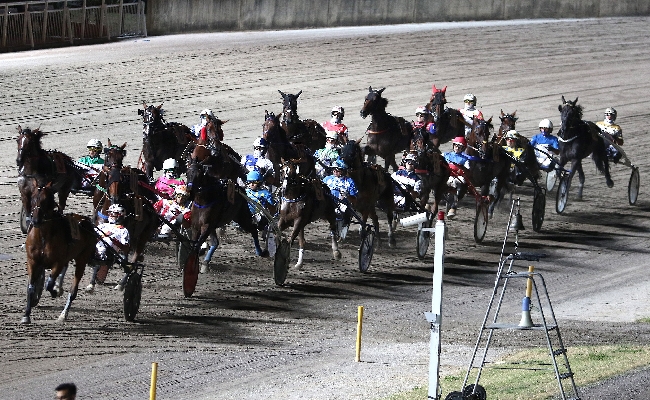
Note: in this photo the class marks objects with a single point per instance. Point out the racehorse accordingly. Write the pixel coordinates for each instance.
(433, 170)
(507, 124)
(210, 150)
(53, 241)
(305, 200)
(280, 148)
(489, 161)
(578, 139)
(216, 202)
(45, 167)
(449, 122)
(161, 140)
(306, 131)
(387, 135)
(373, 184)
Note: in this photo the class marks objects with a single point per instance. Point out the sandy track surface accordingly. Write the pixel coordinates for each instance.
(241, 336)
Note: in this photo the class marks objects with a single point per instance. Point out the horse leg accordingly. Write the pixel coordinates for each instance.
(58, 286)
(335, 244)
(31, 293)
(370, 154)
(51, 280)
(74, 288)
(301, 245)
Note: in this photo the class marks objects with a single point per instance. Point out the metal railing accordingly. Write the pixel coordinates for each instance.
(31, 24)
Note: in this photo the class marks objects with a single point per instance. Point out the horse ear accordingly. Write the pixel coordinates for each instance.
(563, 101)
(20, 129)
(434, 89)
(282, 94)
(160, 106)
(381, 90)
(144, 104)
(489, 121)
(123, 146)
(559, 108)
(298, 95)
(502, 114)
(108, 143)
(575, 101)
(444, 89)
(370, 89)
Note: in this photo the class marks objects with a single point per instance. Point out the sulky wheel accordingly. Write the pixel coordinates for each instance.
(23, 220)
(562, 195)
(132, 295)
(191, 273)
(281, 262)
(480, 222)
(539, 209)
(38, 289)
(424, 237)
(633, 186)
(367, 247)
(454, 396)
(551, 178)
(479, 393)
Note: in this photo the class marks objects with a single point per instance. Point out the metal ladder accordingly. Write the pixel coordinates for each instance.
(548, 325)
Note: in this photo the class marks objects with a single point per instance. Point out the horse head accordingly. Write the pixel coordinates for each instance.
(437, 101)
(152, 116)
(290, 107)
(351, 154)
(114, 155)
(479, 136)
(43, 204)
(272, 131)
(373, 103)
(570, 114)
(507, 122)
(29, 144)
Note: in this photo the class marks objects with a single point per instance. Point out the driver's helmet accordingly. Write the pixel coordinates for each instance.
(340, 164)
(460, 140)
(338, 110)
(610, 113)
(512, 134)
(421, 110)
(469, 98)
(253, 176)
(207, 113)
(181, 190)
(546, 123)
(115, 213)
(331, 135)
(260, 142)
(169, 164)
(94, 144)
(409, 158)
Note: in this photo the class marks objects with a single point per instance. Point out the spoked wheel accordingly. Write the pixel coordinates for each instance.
(539, 209)
(132, 295)
(455, 396)
(551, 178)
(424, 237)
(480, 222)
(633, 186)
(23, 220)
(38, 289)
(191, 273)
(367, 247)
(562, 195)
(479, 393)
(281, 262)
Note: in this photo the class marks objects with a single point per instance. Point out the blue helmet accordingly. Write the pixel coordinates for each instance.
(253, 176)
(340, 164)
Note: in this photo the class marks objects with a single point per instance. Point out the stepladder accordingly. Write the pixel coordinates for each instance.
(509, 321)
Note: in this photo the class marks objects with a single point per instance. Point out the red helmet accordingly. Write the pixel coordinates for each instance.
(461, 140)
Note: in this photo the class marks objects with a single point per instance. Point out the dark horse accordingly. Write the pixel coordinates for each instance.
(306, 131)
(280, 148)
(529, 166)
(374, 184)
(161, 140)
(305, 200)
(433, 170)
(449, 122)
(507, 124)
(224, 160)
(45, 167)
(489, 161)
(53, 241)
(387, 135)
(216, 202)
(578, 139)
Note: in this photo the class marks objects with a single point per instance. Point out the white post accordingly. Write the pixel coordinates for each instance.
(435, 316)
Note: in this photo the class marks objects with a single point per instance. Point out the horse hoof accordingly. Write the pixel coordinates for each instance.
(337, 255)
(204, 267)
(62, 317)
(26, 320)
(298, 266)
(610, 184)
(392, 242)
(265, 254)
(90, 289)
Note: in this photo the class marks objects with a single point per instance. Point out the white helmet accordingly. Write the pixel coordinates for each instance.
(170, 163)
(409, 157)
(512, 134)
(260, 142)
(421, 110)
(94, 143)
(332, 135)
(470, 97)
(116, 209)
(339, 110)
(611, 112)
(546, 123)
(207, 112)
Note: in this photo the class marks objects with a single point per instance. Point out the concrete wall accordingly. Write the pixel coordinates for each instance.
(181, 16)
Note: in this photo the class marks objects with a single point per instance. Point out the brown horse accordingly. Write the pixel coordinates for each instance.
(578, 139)
(45, 167)
(225, 161)
(373, 184)
(306, 131)
(280, 148)
(305, 200)
(161, 140)
(507, 123)
(528, 165)
(53, 241)
(387, 135)
(449, 122)
(433, 170)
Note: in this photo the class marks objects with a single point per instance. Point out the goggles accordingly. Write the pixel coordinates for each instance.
(330, 140)
(335, 113)
(468, 101)
(96, 149)
(458, 144)
(253, 182)
(420, 115)
(258, 148)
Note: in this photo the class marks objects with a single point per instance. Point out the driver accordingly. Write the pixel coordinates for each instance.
(205, 116)
(613, 132)
(517, 152)
(458, 161)
(258, 161)
(470, 111)
(175, 211)
(327, 156)
(406, 177)
(336, 125)
(169, 180)
(92, 159)
(342, 187)
(543, 143)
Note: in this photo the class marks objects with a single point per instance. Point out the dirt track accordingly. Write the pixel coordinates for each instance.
(240, 336)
